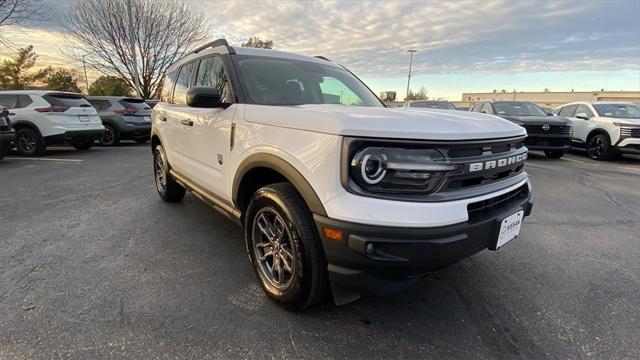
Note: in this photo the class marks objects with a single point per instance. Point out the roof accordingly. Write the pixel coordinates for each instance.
(116, 98)
(36, 92)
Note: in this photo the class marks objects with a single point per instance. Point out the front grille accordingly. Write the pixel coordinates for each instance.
(482, 209)
(553, 129)
(630, 132)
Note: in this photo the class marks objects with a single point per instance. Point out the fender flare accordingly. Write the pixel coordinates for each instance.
(287, 170)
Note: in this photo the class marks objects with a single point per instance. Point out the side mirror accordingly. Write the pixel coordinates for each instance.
(204, 97)
(582, 116)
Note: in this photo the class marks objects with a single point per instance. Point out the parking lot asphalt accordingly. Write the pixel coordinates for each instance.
(94, 265)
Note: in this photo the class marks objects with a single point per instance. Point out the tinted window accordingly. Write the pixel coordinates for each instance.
(621, 111)
(568, 111)
(476, 107)
(514, 108)
(24, 101)
(211, 72)
(68, 100)
(276, 81)
(433, 105)
(182, 84)
(138, 104)
(167, 86)
(9, 101)
(100, 105)
(584, 109)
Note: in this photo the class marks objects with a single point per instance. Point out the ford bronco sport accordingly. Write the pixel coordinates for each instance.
(334, 191)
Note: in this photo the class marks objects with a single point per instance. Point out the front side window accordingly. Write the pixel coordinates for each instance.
(211, 72)
(584, 109)
(620, 111)
(182, 84)
(279, 81)
(518, 109)
(568, 111)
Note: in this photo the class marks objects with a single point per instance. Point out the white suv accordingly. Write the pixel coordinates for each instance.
(334, 190)
(604, 128)
(44, 117)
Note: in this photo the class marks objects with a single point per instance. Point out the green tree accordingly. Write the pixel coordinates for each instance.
(61, 79)
(16, 74)
(107, 85)
(256, 42)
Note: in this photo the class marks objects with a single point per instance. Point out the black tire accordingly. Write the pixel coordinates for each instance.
(599, 147)
(168, 189)
(307, 281)
(111, 136)
(554, 154)
(142, 141)
(29, 142)
(83, 145)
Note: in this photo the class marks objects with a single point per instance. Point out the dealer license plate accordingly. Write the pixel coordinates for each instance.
(83, 118)
(510, 228)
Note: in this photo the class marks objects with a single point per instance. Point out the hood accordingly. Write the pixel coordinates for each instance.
(622, 120)
(537, 120)
(424, 124)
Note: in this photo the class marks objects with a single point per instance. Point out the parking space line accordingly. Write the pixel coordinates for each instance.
(43, 159)
(578, 161)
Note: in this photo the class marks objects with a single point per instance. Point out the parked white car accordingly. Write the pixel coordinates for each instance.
(604, 128)
(43, 117)
(334, 190)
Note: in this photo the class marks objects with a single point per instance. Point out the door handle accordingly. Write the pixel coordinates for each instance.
(186, 122)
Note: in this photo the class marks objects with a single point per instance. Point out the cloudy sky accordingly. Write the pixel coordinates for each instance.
(462, 45)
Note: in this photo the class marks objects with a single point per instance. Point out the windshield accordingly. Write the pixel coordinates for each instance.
(620, 111)
(278, 81)
(518, 109)
(433, 105)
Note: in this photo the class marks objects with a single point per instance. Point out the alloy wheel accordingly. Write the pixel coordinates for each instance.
(273, 250)
(108, 136)
(161, 177)
(26, 143)
(597, 147)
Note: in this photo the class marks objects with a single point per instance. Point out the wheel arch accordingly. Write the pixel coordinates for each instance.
(262, 169)
(25, 124)
(595, 132)
(155, 140)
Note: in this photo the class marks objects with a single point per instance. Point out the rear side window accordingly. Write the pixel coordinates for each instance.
(66, 100)
(167, 86)
(9, 101)
(182, 84)
(138, 104)
(568, 110)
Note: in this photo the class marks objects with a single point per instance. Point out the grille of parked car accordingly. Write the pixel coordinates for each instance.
(552, 129)
(630, 132)
(480, 210)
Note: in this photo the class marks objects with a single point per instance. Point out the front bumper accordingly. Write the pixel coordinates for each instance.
(382, 259)
(629, 146)
(75, 136)
(550, 142)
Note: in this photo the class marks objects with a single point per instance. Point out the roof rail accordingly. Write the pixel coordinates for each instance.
(214, 43)
(322, 57)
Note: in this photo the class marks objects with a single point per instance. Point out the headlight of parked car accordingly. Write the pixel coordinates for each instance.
(397, 170)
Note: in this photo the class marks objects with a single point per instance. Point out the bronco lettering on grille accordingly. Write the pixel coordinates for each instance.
(494, 164)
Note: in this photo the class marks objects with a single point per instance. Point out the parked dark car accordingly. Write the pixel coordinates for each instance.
(545, 132)
(430, 104)
(123, 118)
(7, 134)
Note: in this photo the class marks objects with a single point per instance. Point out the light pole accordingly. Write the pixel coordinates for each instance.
(410, 51)
(133, 50)
(86, 80)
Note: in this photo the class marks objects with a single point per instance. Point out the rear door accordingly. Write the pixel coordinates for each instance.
(209, 146)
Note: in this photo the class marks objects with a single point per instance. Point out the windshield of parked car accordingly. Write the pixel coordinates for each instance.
(621, 111)
(513, 108)
(281, 81)
(433, 105)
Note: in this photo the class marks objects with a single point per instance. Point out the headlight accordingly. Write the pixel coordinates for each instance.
(399, 170)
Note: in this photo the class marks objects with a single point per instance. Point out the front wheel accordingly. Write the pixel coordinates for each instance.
(599, 147)
(168, 189)
(554, 154)
(284, 247)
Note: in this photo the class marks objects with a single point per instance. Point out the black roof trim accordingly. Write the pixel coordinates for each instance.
(322, 57)
(214, 43)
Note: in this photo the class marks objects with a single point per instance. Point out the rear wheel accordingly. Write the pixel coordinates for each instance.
(29, 142)
(284, 247)
(110, 136)
(599, 147)
(83, 145)
(168, 189)
(554, 154)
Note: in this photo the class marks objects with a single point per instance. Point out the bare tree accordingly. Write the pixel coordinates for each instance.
(20, 12)
(256, 42)
(164, 31)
